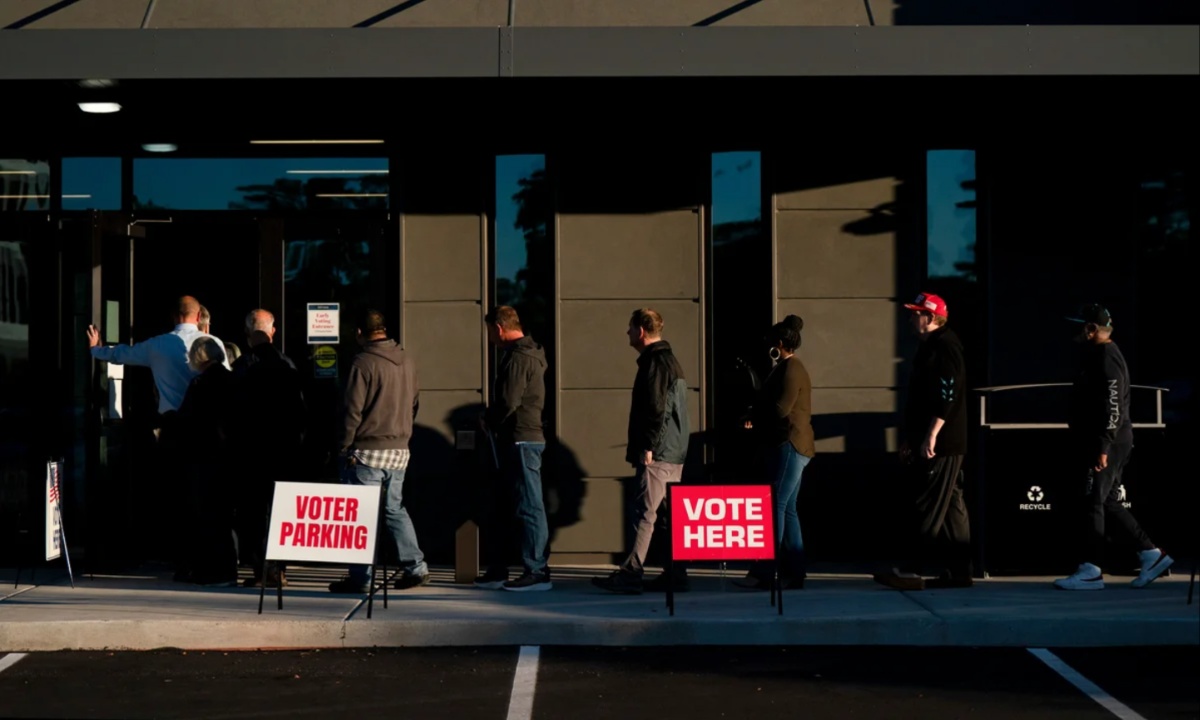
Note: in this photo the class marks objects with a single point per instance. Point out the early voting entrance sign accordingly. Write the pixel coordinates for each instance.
(323, 323)
(325, 523)
(722, 522)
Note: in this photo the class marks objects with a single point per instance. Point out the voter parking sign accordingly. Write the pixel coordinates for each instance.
(722, 522)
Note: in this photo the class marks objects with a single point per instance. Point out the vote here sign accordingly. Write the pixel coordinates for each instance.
(326, 523)
(722, 522)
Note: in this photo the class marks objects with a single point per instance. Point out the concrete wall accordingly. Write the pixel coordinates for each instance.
(629, 235)
(156, 14)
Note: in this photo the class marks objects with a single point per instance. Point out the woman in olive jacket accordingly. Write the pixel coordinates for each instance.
(782, 424)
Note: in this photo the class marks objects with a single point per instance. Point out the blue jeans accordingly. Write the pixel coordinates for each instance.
(525, 472)
(399, 524)
(785, 466)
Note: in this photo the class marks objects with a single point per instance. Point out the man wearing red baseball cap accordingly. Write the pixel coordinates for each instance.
(933, 446)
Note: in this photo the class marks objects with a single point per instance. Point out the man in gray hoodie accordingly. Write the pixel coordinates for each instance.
(514, 420)
(377, 421)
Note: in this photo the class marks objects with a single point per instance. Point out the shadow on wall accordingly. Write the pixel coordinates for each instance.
(445, 486)
(1034, 12)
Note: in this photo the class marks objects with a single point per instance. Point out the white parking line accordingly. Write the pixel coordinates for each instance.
(520, 703)
(9, 660)
(1089, 688)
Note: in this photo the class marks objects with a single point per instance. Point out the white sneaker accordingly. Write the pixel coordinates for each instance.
(1154, 563)
(1087, 577)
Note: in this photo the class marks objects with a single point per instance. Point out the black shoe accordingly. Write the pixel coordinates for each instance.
(659, 584)
(407, 582)
(530, 582)
(946, 581)
(625, 583)
(346, 586)
(493, 579)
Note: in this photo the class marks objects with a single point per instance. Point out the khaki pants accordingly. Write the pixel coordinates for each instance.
(652, 488)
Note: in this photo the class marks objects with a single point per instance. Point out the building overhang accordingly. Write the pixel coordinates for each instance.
(572, 52)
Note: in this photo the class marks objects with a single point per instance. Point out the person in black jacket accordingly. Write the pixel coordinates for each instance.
(1101, 441)
(657, 441)
(933, 446)
(514, 422)
(272, 416)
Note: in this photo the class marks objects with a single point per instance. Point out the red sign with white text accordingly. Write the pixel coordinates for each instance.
(722, 522)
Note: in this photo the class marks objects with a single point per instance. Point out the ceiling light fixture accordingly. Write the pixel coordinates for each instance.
(333, 195)
(337, 172)
(99, 107)
(160, 147)
(97, 83)
(75, 197)
(316, 142)
(24, 197)
(18, 172)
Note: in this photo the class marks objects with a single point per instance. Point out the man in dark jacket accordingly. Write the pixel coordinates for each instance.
(271, 416)
(657, 439)
(1100, 443)
(514, 421)
(933, 446)
(377, 421)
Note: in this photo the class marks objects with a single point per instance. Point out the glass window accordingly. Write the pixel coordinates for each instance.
(740, 296)
(523, 250)
(953, 263)
(91, 183)
(260, 184)
(950, 201)
(24, 184)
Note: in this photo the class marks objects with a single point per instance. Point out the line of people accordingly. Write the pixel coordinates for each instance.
(253, 415)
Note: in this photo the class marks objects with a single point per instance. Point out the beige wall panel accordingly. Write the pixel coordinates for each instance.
(441, 257)
(870, 190)
(848, 417)
(630, 256)
(677, 13)
(440, 409)
(264, 13)
(600, 527)
(820, 256)
(88, 14)
(594, 424)
(848, 343)
(446, 340)
(452, 13)
(595, 349)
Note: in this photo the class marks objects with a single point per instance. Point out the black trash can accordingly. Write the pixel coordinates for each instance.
(1030, 499)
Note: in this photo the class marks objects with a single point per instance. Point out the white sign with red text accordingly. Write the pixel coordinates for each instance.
(323, 323)
(319, 522)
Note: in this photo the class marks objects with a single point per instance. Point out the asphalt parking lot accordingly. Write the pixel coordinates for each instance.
(582, 683)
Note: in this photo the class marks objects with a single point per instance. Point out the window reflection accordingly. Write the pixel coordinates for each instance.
(260, 184)
(91, 183)
(740, 294)
(24, 184)
(950, 201)
(17, 389)
(523, 251)
(953, 264)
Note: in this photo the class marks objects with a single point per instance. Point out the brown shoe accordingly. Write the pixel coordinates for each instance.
(900, 581)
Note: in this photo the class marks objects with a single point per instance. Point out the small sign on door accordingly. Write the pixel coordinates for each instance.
(323, 323)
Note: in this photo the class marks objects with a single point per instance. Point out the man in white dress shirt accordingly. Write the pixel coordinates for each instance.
(166, 355)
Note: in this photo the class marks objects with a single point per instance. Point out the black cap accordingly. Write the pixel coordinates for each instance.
(1095, 314)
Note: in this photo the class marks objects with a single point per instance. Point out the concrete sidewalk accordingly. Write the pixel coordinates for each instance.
(147, 611)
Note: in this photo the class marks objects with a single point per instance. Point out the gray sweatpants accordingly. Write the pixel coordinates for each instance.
(651, 489)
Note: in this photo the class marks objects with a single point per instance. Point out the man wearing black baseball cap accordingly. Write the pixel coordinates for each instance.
(1101, 441)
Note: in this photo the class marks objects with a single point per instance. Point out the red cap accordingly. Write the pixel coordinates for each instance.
(927, 302)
